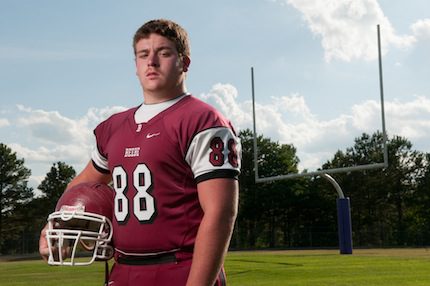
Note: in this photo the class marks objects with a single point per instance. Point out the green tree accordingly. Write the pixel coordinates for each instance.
(418, 214)
(260, 204)
(13, 192)
(35, 212)
(54, 184)
(403, 173)
(295, 212)
(31, 215)
(381, 198)
(367, 205)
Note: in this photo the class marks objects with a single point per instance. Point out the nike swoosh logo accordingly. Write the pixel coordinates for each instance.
(150, 135)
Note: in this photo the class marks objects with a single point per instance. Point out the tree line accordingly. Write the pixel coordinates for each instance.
(389, 207)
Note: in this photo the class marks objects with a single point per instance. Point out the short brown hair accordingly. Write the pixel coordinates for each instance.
(165, 28)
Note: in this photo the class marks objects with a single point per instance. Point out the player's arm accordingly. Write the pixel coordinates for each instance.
(89, 174)
(219, 201)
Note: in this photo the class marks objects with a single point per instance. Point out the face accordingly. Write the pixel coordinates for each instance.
(160, 68)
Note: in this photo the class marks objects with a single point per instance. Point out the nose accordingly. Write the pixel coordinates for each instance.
(153, 61)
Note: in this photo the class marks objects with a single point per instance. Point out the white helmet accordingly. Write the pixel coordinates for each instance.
(81, 221)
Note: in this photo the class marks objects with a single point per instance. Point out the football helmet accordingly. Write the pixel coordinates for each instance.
(81, 223)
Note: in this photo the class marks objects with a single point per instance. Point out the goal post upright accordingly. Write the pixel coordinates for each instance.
(254, 128)
(381, 89)
(343, 204)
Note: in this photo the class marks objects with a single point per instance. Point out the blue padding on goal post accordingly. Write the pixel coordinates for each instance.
(344, 226)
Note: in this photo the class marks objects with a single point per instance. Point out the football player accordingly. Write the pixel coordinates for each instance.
(174, 163)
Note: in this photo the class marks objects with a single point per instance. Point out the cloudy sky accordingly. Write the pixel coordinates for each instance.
(67, 65)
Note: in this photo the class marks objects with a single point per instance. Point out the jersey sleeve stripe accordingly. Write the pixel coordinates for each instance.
(99, 162)
(101, 170)
(221, 173)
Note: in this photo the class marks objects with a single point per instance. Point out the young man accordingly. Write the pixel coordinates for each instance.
(174, 162)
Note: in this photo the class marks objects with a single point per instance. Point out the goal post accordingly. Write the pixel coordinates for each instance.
(343, 203)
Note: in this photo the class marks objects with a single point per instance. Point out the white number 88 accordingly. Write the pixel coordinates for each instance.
(143, 202)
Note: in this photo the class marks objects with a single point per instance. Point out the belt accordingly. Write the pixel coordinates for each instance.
(147, 260)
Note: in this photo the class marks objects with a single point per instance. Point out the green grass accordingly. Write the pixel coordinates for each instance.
(298, 268)
(382, 267)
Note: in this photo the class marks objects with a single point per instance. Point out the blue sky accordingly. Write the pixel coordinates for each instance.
(66, 65)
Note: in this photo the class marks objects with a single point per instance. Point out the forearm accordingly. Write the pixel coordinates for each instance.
(210, 248)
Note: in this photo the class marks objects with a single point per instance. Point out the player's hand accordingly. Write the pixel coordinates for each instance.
(44, 249)
(43, 244)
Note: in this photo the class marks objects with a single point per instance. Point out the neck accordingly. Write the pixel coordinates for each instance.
(153, 97)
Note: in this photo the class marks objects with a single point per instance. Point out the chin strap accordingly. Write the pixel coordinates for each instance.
(106, 273)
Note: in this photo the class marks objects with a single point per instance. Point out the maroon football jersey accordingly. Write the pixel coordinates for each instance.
(155, 168)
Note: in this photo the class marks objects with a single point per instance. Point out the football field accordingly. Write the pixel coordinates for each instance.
(382, 267)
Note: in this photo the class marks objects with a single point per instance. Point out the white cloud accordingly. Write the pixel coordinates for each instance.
(35, 181)
(421, 29)
(289, 120)
(69, 153)
(51, 127)
(43, 137)
(224, 96)
(410, 119)
(366, 114)
(348, 28)
(4, 122)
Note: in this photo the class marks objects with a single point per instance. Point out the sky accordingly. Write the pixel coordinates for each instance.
(67, 65)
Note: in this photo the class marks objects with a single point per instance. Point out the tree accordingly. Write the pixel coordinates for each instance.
(419, 212)
(260, 204)
(295, 213)
(367, 205)
(403, 173)
(55, 183)
(379, 198)
(13, 191)
(32, 215)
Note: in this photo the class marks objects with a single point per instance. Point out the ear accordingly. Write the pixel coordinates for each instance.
(186, 61)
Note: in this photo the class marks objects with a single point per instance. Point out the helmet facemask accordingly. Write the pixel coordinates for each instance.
(72, 232)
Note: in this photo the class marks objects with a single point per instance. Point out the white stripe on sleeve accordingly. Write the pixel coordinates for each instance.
(211, 150)
(99, 160)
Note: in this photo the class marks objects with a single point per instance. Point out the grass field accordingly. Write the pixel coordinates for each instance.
(382, 267)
